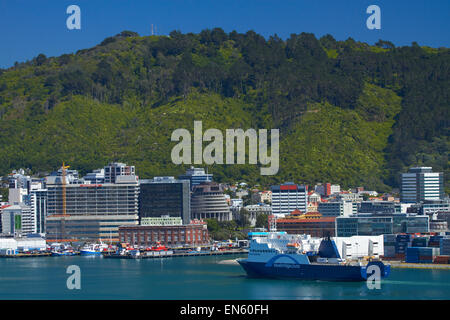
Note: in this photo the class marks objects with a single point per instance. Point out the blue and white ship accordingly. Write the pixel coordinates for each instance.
(93, 249)
(282, 255)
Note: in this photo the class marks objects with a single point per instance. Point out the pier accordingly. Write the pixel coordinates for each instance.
(26, 255)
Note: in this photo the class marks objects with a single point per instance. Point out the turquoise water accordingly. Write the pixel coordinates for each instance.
(194, 278)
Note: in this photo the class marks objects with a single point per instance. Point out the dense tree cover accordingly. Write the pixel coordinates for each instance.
(349, 112)
(224, 230)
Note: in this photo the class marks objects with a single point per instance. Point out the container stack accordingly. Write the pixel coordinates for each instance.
(419, 255)
(445, 246)
(435, 241)
(403, 241)
(389, 241)
(441, 260)
(420, 242)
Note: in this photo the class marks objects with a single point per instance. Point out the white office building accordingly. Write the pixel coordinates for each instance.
(422, 184)
(289, 197)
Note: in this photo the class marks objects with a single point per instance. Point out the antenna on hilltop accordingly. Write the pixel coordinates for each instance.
(152, 28)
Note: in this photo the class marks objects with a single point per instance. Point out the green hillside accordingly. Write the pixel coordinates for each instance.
(348, 113)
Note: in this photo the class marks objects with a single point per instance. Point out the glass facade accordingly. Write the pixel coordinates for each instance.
(170, 198)
(378, 225)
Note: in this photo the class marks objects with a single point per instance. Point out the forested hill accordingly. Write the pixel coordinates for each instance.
(349, 113)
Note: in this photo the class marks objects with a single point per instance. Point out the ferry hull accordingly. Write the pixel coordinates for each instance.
(309, 271)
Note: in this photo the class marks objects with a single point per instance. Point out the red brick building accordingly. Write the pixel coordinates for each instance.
(192, 234)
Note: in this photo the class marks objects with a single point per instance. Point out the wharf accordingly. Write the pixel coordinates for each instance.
(150, 254)
(435, 266)
(26, 255)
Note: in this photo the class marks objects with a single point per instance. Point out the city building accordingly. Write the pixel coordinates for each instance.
(208, 201)
(38, 204)
(314, 197)
(310, 223)
(165, 196)
(18, 180)
(377, 207)
(312, 207)
(96, 177)
(255, 210)
(17, 195)
(115, 169)
(335, 208)
(264, 197)
(161, 221)
(194, 234)
(371, 224)
(327, 189)
(237, 202)
(288, 197)
(421, 184)
(196, 176)
(431, 207)
(93, 211)
(12, 246)
(17, 220)
(356, 247)
(438, 226)
(347, 196)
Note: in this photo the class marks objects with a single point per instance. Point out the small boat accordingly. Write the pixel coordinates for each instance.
(63, 253)
(92, 249)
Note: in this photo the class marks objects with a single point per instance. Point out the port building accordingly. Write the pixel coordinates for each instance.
(378, 224)
(192, 234)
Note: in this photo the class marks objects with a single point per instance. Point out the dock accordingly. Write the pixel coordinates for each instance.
(151, 254)
(433, 266)
(26, 255)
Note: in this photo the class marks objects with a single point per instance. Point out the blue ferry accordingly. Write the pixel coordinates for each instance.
(281, 255)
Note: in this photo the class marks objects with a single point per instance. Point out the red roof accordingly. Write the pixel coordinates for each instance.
(5, 206)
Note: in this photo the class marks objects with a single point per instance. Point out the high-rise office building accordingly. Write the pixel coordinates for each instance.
(196, 176)
(165, 196)
(38, 204)
(421, 184)
(289, 197)
(93, 211)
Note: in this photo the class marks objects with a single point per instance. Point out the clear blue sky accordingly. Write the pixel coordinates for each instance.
(28, 28)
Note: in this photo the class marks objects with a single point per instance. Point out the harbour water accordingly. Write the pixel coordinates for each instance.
(194, 278)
